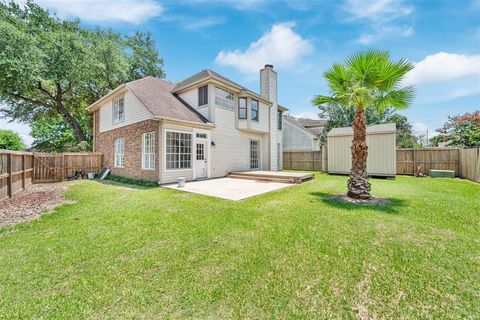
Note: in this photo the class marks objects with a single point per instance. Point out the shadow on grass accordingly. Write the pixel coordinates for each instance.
(389, 208)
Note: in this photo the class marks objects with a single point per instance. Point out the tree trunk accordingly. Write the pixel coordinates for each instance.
(72, 121)
(358, 185)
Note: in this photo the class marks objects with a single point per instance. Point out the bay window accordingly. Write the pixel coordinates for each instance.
(254, 109)
(242, 108)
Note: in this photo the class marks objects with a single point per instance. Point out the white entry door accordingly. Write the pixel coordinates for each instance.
(201, 160)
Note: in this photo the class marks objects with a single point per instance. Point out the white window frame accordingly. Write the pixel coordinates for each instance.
(257, 119)
(118, 110)
(165, 150)
(148, 151)
(259, 154)
(227, 103)
(119, 153)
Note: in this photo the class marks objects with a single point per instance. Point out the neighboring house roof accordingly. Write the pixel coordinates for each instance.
(158, 97)
(312, 122)
(208, 74)
(316, 131)
(374, 129)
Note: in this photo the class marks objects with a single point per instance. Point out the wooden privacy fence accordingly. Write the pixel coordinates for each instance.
(305, 160)
(18, 170)
(415, 161)
(51, 167)
(470, 164)
(464, 162)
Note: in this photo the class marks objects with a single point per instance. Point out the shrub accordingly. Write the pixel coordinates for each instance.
(138, 182)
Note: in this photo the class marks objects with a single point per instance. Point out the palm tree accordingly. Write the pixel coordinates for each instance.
(366, 80)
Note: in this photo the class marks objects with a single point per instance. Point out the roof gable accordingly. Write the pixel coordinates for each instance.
(157, 96)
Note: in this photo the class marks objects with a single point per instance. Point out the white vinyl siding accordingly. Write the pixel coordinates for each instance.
(119, 150)
(148, 151)
(298, 139)
(231, 151)
(134, 111)
(178, 150)
(118, 113)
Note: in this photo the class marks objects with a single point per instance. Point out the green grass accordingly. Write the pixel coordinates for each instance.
(160, 253)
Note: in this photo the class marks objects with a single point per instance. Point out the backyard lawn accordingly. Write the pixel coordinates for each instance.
(159, 253)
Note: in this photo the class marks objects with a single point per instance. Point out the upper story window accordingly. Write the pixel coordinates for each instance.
(242, 108)
(203, 95)
(279, 120)
(224, 98)
(118, 109)
(254, 108)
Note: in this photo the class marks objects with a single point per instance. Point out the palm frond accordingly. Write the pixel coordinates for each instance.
(398, 99)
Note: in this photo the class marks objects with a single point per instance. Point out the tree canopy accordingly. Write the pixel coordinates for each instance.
(460, 131)
(56, 68)
(11, 140)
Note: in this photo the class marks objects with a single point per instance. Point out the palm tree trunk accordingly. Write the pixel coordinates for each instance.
(358, 185)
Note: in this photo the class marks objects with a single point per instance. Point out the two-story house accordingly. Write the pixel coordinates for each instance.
(203, 127)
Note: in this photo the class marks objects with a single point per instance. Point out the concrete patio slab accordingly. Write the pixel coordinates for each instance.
(230, 189)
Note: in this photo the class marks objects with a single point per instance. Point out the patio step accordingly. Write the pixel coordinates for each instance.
(274, 176)
(262, 178)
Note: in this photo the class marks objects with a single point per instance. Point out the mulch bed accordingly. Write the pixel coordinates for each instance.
(363, 202)
(31, 203)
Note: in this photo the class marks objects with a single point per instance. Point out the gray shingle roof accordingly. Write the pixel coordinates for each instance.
(311, 122)
(207, 73)
(316, 131)
(376, 128)
(157, 95)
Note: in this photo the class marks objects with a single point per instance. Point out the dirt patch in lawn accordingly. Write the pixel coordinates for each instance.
(31, 203)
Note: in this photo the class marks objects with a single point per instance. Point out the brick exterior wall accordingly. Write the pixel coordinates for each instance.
(104, 143)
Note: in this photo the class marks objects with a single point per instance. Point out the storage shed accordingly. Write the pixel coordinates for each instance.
(381, 144)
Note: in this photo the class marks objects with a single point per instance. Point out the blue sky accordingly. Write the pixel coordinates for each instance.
(303, 38)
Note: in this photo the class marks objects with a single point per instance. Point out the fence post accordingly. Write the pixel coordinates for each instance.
(414, 163)
(63, 167)
(9, 178)
(24, 175)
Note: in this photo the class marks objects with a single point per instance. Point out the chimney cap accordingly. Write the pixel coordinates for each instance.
(269, 66)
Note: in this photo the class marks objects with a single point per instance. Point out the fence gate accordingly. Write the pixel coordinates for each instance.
(48, 168)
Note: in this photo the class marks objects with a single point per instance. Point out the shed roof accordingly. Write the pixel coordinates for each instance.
(373, 129)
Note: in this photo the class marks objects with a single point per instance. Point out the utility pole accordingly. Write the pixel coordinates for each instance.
(427, 137)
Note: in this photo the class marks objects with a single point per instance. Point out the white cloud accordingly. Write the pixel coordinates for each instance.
(384, 17)
(307, 115)
(443, 66)
(280, 46)
(202, 23)
(378, 10)
(131, 11)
